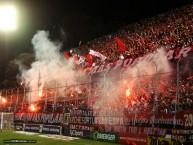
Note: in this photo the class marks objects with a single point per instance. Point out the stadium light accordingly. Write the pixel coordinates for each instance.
(7, 17)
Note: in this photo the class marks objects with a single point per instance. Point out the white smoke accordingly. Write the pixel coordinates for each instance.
(143, 70)
(149, 63)
(50, 66)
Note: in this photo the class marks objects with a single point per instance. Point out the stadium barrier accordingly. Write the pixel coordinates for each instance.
(18, 126)
(139, 139)
(114, 137)
(104, 136)
(162, 141)
(77, 133)
(95, 124)
(32, 127)
(52, 129)
(39, 128)
(141, 119)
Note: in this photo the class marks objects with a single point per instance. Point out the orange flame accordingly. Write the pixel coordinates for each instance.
(128, 92)
(40, 93)
(3, 100)
(32, 108)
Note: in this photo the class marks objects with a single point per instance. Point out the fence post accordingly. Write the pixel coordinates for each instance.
(46, 99)
(104, 80)
(177, 90)
(156, 94)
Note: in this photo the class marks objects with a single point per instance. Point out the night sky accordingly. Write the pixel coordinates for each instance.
(71, 21)
(78, 19)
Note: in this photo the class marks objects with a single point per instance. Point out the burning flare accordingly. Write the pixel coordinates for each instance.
(40, 93)
(128, 92)
(32, 108)
(3, 100)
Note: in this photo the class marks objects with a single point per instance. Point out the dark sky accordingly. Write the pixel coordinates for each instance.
(73, 20)
(80, 19)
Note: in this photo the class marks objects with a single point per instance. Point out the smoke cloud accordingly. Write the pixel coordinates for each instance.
(143, 70)
(148, 64)
(50, 68)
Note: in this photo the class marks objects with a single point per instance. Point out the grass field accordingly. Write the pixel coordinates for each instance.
(8, 135)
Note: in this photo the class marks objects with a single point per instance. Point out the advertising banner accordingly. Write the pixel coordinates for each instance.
(139, 139)
(83, 127)
(32, 127)
(52, 129)
(77, 133)
(105, 136)
(18, 126)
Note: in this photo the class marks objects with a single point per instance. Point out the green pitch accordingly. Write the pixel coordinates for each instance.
(6, 136)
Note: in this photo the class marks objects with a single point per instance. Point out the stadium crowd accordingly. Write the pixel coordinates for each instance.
(172, 30)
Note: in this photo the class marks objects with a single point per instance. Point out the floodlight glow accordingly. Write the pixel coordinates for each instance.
(7, 18)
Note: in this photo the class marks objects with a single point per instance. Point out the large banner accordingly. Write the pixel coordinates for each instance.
(150, 131)
(101, 117)
(106, 122)
(48, 118)
(132, 62)
(82, 119)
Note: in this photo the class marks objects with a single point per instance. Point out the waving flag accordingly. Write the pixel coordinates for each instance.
(89, 59)
(75, 57)
(97, 54)
(120, 44)
(80, 60)
(66, 55)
